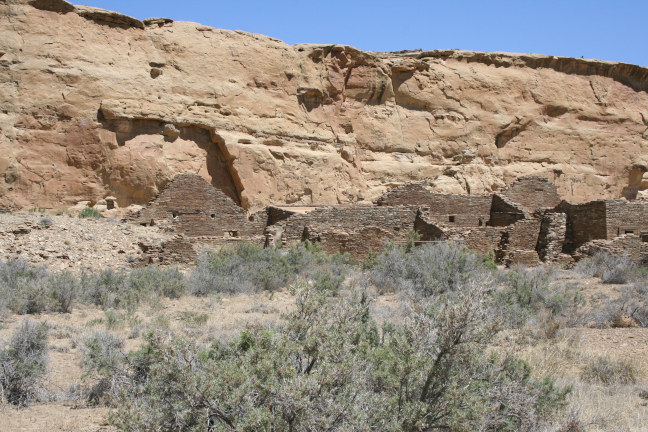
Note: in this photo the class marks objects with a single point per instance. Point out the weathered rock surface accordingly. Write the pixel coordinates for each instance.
(94, 103)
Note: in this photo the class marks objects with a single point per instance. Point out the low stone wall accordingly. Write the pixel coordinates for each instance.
(628, 244)
(175, 251)
(484, 240)
(504, 212)
(585, 222)
(514, 224)
(396, 221)
(358, 243)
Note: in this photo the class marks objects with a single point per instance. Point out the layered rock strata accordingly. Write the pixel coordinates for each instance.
(96, 104)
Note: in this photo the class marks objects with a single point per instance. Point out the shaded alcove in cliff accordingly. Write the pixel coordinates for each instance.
(150, 152)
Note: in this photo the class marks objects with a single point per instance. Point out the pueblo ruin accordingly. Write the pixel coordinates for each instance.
(525, 223)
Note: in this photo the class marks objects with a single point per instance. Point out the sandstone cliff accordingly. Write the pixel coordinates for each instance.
(94, 103)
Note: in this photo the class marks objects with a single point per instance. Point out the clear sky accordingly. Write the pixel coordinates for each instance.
(602, 29)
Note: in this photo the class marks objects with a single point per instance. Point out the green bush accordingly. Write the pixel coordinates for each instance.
(327, 367)
(117, 289)
(528, 292)
(632, 303)
(46, 222)
(24, 289)
(611, 268)
(427, 270)
(249, 268)
(27, 289)
(63, 290)
(158, 281)
(89, 212)
(22, 363)
(103, 365)
(108, 288)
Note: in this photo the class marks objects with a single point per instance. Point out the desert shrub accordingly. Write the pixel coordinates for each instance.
(23, 287)
(108, 288)
(104, 367)
(22, 363)
(636, 303)
(627, 310)
(63, 289)
(620, 274)
(89, 212)
(527, 293)
(611, 268)
(27, 289)
(117, 289)
(249, 268)
(327, 367)
(158, 281)
(607, 370)
(427, 270)
(193, 319)
(46, 222)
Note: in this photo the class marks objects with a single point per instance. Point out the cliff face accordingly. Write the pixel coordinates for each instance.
(93, 103)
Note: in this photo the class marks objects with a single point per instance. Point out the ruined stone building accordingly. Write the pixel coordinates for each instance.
(527, 222)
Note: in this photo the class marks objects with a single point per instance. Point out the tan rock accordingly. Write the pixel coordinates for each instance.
(119, 106)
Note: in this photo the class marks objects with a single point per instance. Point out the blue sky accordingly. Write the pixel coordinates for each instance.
(608, 30)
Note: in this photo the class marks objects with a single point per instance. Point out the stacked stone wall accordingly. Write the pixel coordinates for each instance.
(428, 230)
(552, 236)
(394, 222)
(626, 217)
(585, 222)
(197, 209)
(459, 210)
(532, 193)
(485, 240)
(627, 244)
(174, 251)
(515, 224)
(359, 243)
(520, 243)
(503, 212)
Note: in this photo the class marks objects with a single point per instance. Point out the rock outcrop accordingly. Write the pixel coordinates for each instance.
(94, 103)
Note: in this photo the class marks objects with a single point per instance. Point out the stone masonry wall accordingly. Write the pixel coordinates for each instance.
(504, 212)
(459, 210)
(502, 223)
(552, 236)
(428, 230)
(358, 243)
(520, 240)
(624, 216)
(585, 222)
(626, 244)
(395, 222)
(484, 240)
(533, 193)
(197, 209)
